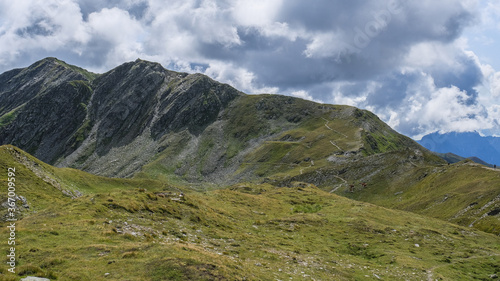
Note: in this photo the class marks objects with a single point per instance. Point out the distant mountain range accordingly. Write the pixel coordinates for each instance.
(453, 158)
(467, 145)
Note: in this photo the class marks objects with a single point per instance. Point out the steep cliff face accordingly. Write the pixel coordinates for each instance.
(19, 86)
(42, 107)
(66, 116)
(136, 107)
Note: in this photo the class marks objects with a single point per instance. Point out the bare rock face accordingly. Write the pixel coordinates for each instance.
(143, 96)
(45, 105)
(67, 116)
(21, 85)
(31, 278)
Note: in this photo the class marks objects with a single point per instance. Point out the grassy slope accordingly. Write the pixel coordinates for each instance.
(463, 193)
(333, 147)
(87, 74)
(133, 230)
(277, 137)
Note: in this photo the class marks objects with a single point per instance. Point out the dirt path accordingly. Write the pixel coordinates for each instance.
(338, 186)
(335, 131)
(492, 169)
(340, 133)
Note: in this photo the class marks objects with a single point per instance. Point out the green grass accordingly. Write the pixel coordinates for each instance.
(7, 118)
(87, 74)
(280, 139)
(463, 193)
(140, 229)
(231, 235)
(307, 208)
(83, 131)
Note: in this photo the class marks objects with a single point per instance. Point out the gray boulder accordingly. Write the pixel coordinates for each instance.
(31, 278)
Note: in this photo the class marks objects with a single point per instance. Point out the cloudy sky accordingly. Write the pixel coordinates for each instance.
(422, 66)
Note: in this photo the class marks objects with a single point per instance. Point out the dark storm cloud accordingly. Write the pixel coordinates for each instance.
(38, 28)
(369, 39)
(336, 41)
(393, 90)
(323, 15)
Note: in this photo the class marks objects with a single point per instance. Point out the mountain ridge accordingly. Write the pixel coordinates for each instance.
(467, 144)
(142, 121)
(142, 106)
(453, 158)
(104, 108)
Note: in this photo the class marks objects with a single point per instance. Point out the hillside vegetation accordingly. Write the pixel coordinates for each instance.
(128, 229)
(465, 193)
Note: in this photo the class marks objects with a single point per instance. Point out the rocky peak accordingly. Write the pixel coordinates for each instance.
(142, 96)
(22, 85)
(52, 109)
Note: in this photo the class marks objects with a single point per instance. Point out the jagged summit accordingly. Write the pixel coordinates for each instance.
(21, 85)
(52, 60)
(51, 109)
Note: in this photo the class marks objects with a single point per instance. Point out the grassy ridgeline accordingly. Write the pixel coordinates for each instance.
(465, 193)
